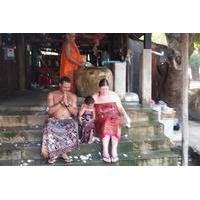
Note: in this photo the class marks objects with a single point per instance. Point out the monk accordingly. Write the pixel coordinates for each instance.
(70, 59)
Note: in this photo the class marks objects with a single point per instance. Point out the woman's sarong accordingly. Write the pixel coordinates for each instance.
(60, 136)
(107, 120)
(87, 126)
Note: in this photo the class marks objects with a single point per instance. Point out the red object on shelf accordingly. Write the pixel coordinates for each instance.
(44, 78)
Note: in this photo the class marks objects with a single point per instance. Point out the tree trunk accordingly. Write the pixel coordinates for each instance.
(172, 88)
(184, 102)
(176, 88)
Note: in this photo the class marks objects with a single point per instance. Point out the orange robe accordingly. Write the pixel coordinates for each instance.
(68, 68)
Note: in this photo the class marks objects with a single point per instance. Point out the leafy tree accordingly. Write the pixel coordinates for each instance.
(195, 59)
(197, 41)
(159, 38)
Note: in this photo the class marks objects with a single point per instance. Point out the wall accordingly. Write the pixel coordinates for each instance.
(8, 75)
(137, 47)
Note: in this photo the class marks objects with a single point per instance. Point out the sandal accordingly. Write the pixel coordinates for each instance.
(106, 159)
(114, 159)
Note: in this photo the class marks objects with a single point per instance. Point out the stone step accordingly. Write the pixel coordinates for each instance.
(34, 134)
(148, 145)
(31, 118)
(27, 118)
(35, 115)
(38, 118)
(141, 142)
(10, 119)
(140, 114)
(25, 134)
(31, 105)
(21, 134)
(137, 116)
(158, 158)
(23, 108)
(144, 130)
(32, 150)
(97, 161)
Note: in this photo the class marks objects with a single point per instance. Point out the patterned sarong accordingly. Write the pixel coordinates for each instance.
(107, 120)
(60, 136)
(87, 125)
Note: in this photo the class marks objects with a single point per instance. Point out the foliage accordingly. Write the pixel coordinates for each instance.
(195, 101)
(195, 59)
(159, 38)
(197, 41)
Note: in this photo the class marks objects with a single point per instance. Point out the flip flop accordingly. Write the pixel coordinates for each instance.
(90, 142)
(106, 159)
(67, 159)
(114, 159)
(52, 160)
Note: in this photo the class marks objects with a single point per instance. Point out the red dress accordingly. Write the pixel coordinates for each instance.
(107, 120)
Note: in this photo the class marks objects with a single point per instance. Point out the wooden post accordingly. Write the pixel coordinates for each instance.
(184, 116)
(147, 41)
(20, 43)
